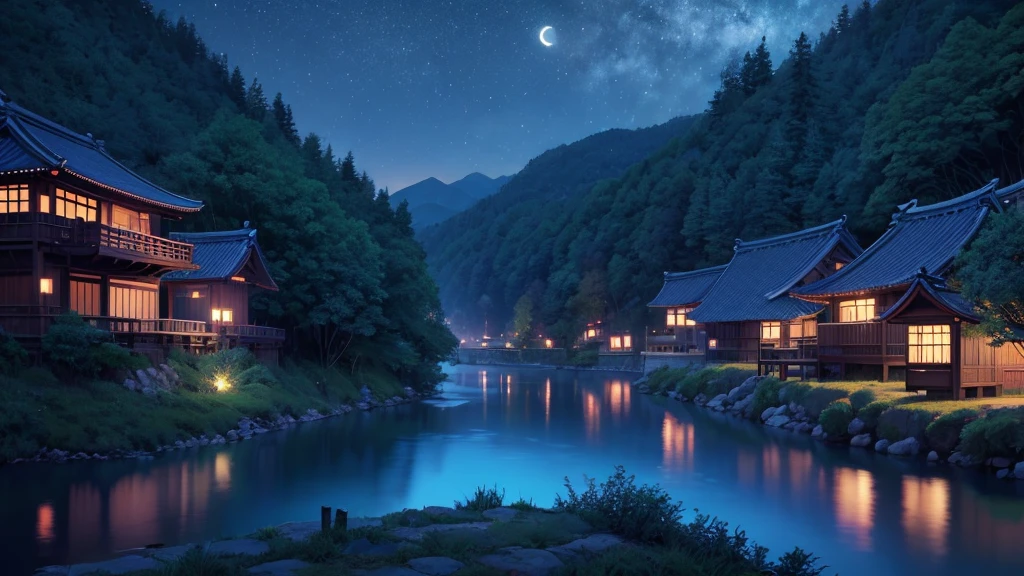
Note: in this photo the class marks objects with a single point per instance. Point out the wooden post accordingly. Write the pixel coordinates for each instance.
(341, 520)
(325, 518)
(885, 351)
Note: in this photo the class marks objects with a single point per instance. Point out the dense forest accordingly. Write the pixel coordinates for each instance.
(355, 292)
(899, 99)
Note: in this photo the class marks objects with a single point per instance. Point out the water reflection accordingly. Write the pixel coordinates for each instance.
(801, 463)
(855, 505)
(676, 444)
(44, 523)
(547, 403)
(85, 511)
(926, 513)
(222, 470)
(617, 394)
(771, 461)
(591, 414)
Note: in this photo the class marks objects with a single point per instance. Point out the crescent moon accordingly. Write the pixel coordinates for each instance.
(544, 40)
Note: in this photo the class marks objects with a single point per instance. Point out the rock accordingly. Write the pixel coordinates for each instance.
(410, 533)
(805, 428)
(526, 562)
(243, 546)
(643, 389)
(244, 425)
(906, 447)
(1003, 474)
(279, 568)
(700, 399)
(716, 402)
(1018, 471)
(232, 435)
(120, 565)
(767, 413)
(782, 410)
(955, 458)
(409, 392)
(777, 421)
(673, 395)
(745, 389)
(856, 427)
(1000, 462)
(503, 514)
(595, 543)
(861, 440)
(818, 432)
(882, 446)
(435, 565)
(130, 384)
(363, 547)
(791, 425)
(933, 456)
(388, 571)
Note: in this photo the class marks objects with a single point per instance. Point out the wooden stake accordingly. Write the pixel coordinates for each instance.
(325, 518)
(341, 520)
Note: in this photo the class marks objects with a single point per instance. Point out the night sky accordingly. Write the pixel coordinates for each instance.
(419, 88)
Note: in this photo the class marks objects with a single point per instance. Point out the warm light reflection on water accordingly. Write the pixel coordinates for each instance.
(222, 470)
(591, 414)
(926, 513)
(854, 496)
(547, 402)
(676, 444)
(44, 523)
(801, 463)
(85, 509)
(771, 462)
(617, 394)
(746, 467)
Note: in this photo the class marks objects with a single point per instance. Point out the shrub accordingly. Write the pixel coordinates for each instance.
(870, 413)
(112, 358)
(798, 563)
(820, 398)
(13, 356)
(484, 499)
(895, 424)
(585, 358)
(766, 395)
(836, 417)
(319, 548)
(862, 398)
(794, 392)
(69, 346)
(943, 434)
(725, 379)
(523, 505)
(1000, 433)
(198, 562)
(267, 533)
(666, 378)
(645, 514)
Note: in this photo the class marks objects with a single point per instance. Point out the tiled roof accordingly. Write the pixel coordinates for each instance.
(31, 143)
(221, 255)
(685, 288)
(942, 297)
(919, 237)
(755, 284)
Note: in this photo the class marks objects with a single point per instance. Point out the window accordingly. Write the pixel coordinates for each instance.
(85, 298)
(771, 330)
(928, 344)
(76, 206)
(677, 317)
(713, 343)
(591, 333)
(46, 285)
(13, 198)
(137, 303)
(857, 310)
(796, 329)
(126, 219)
(222, 315)
(627, 342)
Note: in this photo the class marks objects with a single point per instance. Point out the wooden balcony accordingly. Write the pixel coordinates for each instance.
(253, 334)
(34, 321)
(876, 343)
(95, 238)
(682, 340)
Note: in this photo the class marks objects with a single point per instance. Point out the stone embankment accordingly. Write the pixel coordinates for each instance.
(739, 402)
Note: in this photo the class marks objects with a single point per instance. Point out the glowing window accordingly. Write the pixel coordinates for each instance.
(216, 314)
(713, 343)
(677, 317)
(771, 330)
(627, 341)
(74, 206)
(226, 316)
(238, 278)
(46, 285)
(928, 344)
(196, 294)
(857, 310)
(13, 198)
(616, 343)
(591, 333)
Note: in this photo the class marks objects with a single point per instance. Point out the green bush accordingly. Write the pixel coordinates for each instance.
(1000, 433)
(585, 358)
(666, 378)
(198, 562)
(697, 382)
(75, 348)
(897, 423)
(483, 499)
(862, 398)
(766, 395)
(13, 356)
(943, 434)
(725, 379)
(644, 514)
(820, 398)
(795, 392)
(836, 417)
(870, 413)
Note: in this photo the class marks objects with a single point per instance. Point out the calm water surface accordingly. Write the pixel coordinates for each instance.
(525, 429)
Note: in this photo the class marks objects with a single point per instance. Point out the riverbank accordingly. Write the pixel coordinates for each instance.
(189, 401)
(984, 432)
(616, 527)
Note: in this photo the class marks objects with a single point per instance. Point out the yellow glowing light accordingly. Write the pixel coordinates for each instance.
(238, 278)
(508, 344)
(483, 344)
(46, 285)
(221, 383)
(713, 343)
(549, 344)
(195, 294)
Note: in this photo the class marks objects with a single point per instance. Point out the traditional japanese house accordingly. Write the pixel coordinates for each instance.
(889, 308)
(679, 295)
(749, 315)
(231, 266)
(79, 231)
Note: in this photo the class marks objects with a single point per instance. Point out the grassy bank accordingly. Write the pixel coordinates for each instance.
(980, 428)
(77, 402)
(648, 536)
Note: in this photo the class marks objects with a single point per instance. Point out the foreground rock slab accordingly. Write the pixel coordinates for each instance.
(363, 547)
(435, 565)
(120, 565)
(279, 568)
(242, 546)
(523, 561)
(593, 544)
(409, 533)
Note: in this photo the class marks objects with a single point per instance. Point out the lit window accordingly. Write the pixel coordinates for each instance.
(548, 344)
(627, 341)
(216, 314)
(713, 343)
(13, 198)
(74, 206)
(226, 316)
(46, 285)
(839, 265)
(928, 344)
(44, 203)
(677, 317)
(591, 333)
(196, 294)
(771, 330)
(126, 219)
(616, 343)
(238, 278)
(857, 310)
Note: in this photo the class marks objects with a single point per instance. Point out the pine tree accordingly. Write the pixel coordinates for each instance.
(843, 20)
(255, 101)
(730, 95)
(757, 68)
(236, 87)
(284, 120)
(801, 97)
(289, 120)
(348, 168)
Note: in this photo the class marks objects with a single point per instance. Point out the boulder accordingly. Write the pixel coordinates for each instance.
(1000, 462)
(241, 546)
(777, 421)
(130, 384)
(742, 405)
(122, 565)
(791, 425)
(232, 436)
(861, 440)
(745, 389)
(933, 456)
(279, 568)
(856, 427)
(767, 413)
(782, 410)
(1004, 474)
(503, 514)
(955, 458)
(1018, 471)
(524, 561)
(818, 432)
(643, 389)
(906, 447)
(805, 428)
(700, 399)
(593, 544)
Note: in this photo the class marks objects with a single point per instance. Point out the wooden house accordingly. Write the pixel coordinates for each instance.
(889, 308)
(679, 295)
(230, 266)
(79, 231)
(749, 315)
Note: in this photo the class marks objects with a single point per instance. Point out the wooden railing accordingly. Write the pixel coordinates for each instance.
(151, 326)
(795, 350)
(132, 241)
(29, 226)
(862, 340)
(34, 226)
(247, 331)
(688, 339)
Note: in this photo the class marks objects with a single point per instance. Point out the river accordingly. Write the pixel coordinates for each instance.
(524, 429)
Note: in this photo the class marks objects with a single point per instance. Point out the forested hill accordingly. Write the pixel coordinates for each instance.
(490, 254)
(355, 293)
(903, 99)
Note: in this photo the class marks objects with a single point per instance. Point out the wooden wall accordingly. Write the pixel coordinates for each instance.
(737, 341)
(228, 295)
(984, 365)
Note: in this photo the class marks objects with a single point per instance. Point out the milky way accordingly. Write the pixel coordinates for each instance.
(419, 88)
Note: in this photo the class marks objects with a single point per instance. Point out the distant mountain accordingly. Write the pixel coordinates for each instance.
(432, 201)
